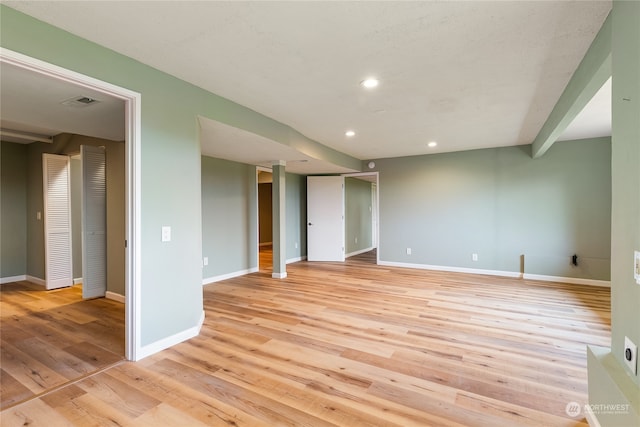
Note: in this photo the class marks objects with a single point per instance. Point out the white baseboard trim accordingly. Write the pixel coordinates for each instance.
(115, 297)
(36, 280)
(77, 280)
(11, 279)
(214, 279)
(296, 259)
(167, 342)
(358, 252)
(592, 420)
(265, 244)
(279, 275)
(570, 280)
(452, 269)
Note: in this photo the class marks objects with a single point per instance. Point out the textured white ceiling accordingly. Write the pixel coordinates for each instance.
(467, 74)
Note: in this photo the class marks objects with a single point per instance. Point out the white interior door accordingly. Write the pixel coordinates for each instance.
(325, 218)
(94, 222)
(57, 221)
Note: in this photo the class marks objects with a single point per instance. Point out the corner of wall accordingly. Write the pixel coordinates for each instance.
(614, 400)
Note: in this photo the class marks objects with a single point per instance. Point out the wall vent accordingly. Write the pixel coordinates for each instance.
(80, 101)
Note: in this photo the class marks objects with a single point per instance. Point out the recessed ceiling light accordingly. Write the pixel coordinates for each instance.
(370, 83)
(432, 144)
(350, 133)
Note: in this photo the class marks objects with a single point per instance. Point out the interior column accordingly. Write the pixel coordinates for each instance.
(614, 381)
(279, 222)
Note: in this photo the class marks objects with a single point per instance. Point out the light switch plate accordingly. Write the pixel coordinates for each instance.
(166, 233)
(636, 266)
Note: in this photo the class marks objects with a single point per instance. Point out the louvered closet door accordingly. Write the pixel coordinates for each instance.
(94, 222)
(57, 221)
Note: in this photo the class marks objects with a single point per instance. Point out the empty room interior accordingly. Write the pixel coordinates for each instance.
(323, 213)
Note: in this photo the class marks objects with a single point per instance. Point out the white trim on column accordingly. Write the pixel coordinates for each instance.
(132, 102)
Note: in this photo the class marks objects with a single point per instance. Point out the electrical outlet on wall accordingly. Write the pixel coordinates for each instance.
(636, 266)
(474, 257)
(205, 261)
(408, 251)
(166, 233)
(631, 355)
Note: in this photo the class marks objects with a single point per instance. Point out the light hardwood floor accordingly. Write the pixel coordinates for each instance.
(355, 344)
(50, 338)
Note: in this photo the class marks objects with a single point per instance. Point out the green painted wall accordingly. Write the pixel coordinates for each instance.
(358, 205)
(296, 215)
(35, 208)
(171, 273)
(500, 204)
(13, 209)
(228, 216)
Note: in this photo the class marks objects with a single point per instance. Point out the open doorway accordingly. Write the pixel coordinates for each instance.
(51, 75)
(361, 217)
(50, 337)
(342, 217)
(265, 219)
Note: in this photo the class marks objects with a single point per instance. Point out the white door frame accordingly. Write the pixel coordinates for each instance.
(376, 206)
(132, 102)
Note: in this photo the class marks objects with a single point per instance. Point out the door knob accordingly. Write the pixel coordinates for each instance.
(310, 224)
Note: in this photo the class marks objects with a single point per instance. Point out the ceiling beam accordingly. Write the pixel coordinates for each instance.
(594, 70)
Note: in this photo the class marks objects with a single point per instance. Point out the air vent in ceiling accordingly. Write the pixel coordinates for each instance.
(80, 101)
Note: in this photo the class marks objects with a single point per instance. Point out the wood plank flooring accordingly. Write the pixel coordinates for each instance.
(50, 338)
(355, 344)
